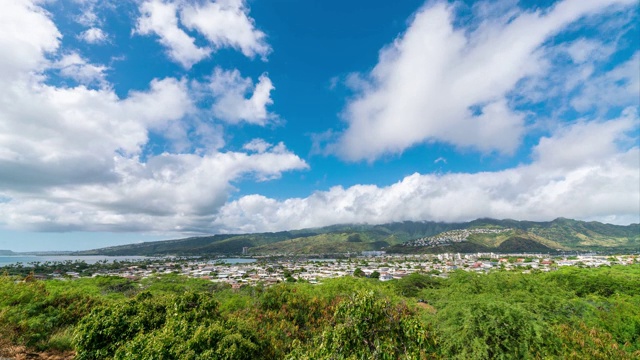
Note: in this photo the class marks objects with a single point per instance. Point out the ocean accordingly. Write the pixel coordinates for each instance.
(26, 259)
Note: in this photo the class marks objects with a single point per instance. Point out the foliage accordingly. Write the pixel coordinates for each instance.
(37, 316)
(580, 341)
(187, 326)
(354, 238)
(570, 313)
(368, 326)
(603, 281)
(327, 243)
(412, 284)
(487, 328)
(178, 284)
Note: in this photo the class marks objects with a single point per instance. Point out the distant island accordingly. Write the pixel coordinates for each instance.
(6, 253)
(481, 235)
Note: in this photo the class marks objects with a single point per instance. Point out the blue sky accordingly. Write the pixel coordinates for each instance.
(130, 121)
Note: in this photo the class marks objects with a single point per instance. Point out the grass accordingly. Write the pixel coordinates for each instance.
(61, 340)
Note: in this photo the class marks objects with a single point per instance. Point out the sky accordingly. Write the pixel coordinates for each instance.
(131, 121)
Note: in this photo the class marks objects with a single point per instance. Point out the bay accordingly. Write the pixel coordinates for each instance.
(233, 260)
(89, 259)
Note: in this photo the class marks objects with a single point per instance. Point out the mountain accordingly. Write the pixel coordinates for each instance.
(6, 253)
(480, 235)
(488, 235)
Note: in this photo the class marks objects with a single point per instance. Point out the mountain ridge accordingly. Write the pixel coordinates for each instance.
(557, 235)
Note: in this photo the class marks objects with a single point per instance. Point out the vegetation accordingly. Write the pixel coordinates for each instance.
(571, 313)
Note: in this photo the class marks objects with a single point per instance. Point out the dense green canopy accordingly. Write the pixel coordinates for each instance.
(571, 313)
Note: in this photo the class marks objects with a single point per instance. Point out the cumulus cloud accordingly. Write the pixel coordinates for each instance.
(586, 143)
(76, 158)
(226, 24)
(257, 145)
(168, 193)
(75, 67)
(440, 81)
(159, 18)
(25, 50)
(222, 23)
(56, 135)
(93, 35)
(88, 15)
(594, 182)
(229, 89)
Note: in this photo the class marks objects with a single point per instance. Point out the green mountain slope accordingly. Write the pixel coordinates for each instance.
(216, 244)
(526, 236)
(481, 235)
(373, 237)
(334, 242)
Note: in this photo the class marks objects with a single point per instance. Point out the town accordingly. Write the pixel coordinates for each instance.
(268, 271)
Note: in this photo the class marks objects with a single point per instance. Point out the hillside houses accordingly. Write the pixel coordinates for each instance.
(453, 236)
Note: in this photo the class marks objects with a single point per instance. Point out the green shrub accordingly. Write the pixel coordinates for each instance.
(107, 328)
(30, 314)
(187, 326)
(488, 328)
(369, 326)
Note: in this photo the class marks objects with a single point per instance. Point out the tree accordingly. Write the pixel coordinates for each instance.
(358, 273)
(354, 238)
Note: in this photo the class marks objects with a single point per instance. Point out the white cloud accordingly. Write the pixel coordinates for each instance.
(76, 158)
(93, 35)
(429, 81)
(558, 183)
(583, 50)
(257, 145)
(52, 136)
(618, 87)
(168, 193)
(226, 24)
(23, 50)
(229, 89)
(585, 143)
(159, 17)
(75, 67)
(88, 15)
(223, 23)
(209, 135)
(585, 84)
